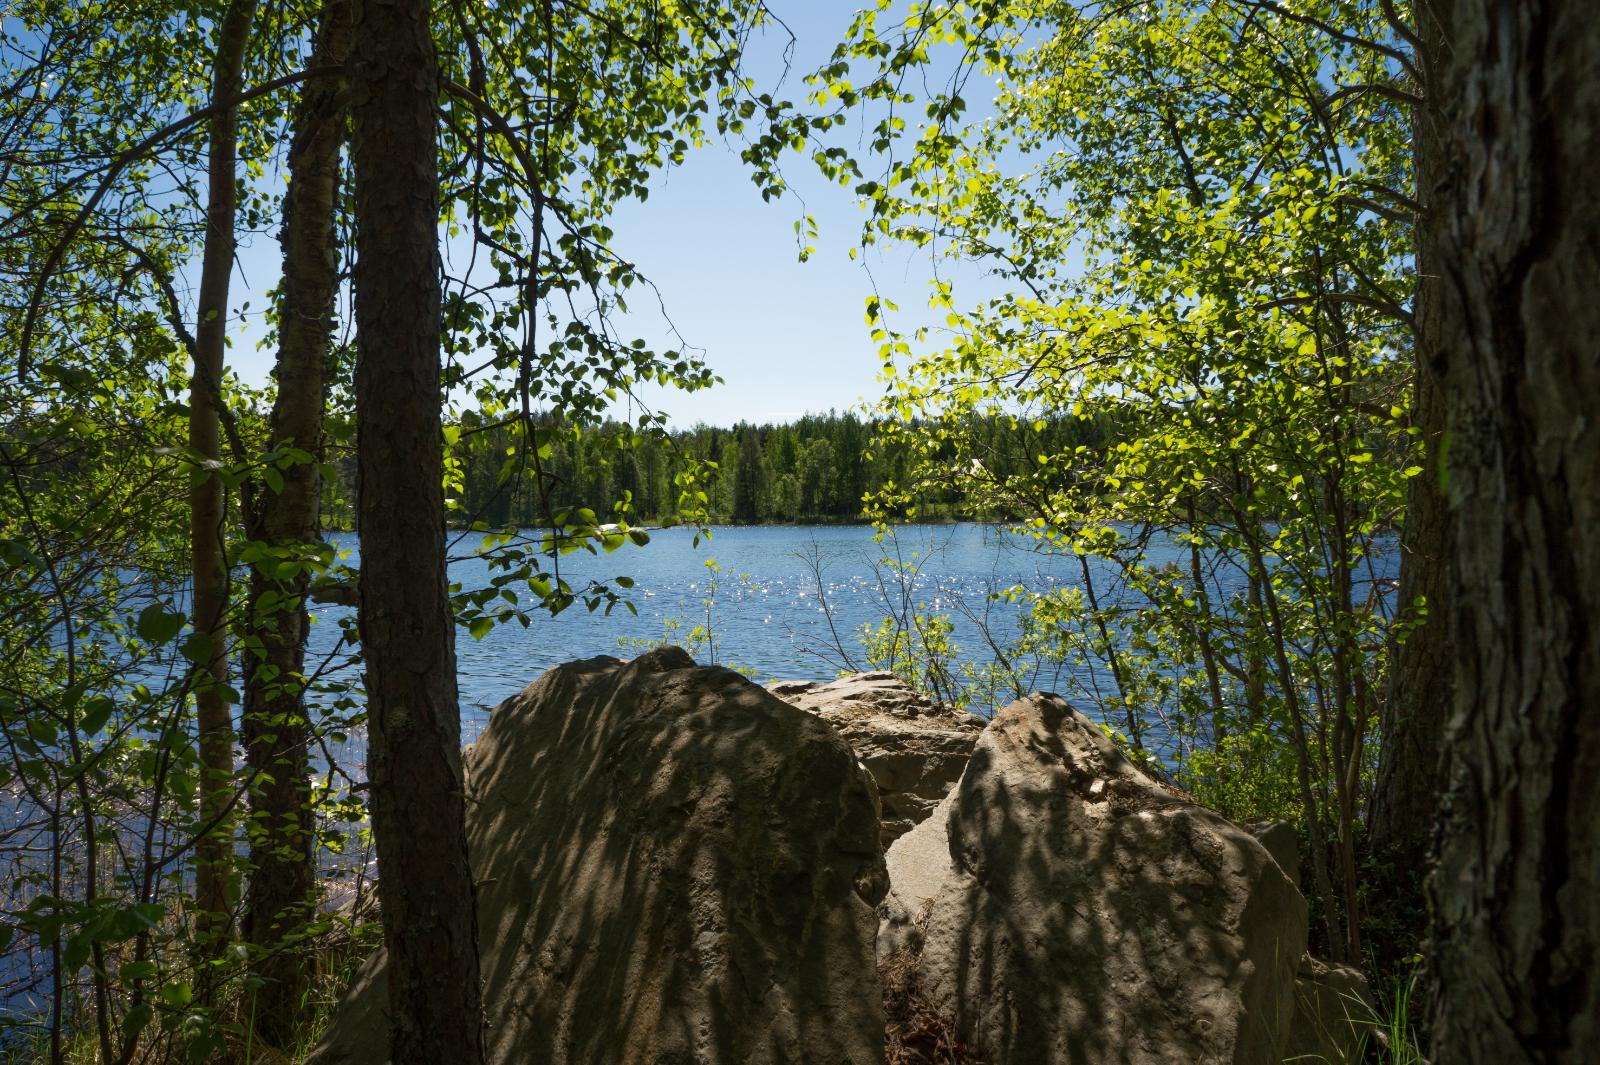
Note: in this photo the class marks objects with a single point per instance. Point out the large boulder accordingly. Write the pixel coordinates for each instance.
(1089, 915)
(914, 748)
(674, 867)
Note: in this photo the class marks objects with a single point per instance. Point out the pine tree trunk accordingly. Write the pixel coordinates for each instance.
(407, 627)
(277, 730)
(1516, 892)
(214, 882)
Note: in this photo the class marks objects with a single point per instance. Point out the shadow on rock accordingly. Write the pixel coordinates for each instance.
(673, 866)
(1080, 912)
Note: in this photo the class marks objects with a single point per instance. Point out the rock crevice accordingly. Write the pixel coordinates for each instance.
(915, 748)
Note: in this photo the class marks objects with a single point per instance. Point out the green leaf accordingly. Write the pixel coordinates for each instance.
(136, 1019)
(42, 729)
(77, 950)
(157, 624)
(17, 553)
(137, 970)
(196, 647)
(177, 995)
(96, 712)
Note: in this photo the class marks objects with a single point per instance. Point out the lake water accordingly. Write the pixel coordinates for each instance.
(766, 614)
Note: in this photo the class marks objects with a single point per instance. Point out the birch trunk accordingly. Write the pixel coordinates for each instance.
(214, 880)
(276, 727)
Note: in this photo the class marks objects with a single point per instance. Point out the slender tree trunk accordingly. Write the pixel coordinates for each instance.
(214, 887)
(1410, 781)
(1303, 760)
(407, 627)
(1255, 668)
(1130, 718)
(1255, 658)
(276, 727)
(1347, 730)
(1516, 893)
(1208, 653)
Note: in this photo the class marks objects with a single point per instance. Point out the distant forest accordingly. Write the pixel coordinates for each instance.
(820, 469)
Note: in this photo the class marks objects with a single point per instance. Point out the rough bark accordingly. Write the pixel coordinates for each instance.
(407, 629)
(1410, 781)
(276, 727)
(1516, 893)
(1410, 776)
(214, 887)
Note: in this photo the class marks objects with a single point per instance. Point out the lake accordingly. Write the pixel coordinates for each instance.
(766, 615)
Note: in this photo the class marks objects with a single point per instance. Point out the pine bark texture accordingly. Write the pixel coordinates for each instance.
(1516, 246)
(214, 889)
(407, 627)
(276, 727)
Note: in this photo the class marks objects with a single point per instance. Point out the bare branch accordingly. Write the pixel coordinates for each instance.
(120, 163)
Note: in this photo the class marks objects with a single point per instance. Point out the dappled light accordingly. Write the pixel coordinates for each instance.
(1127, 473)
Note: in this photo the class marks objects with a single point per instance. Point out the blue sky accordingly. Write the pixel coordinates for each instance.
(787, 337)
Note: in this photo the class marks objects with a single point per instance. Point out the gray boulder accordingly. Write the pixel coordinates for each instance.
(919, 866)
(1333, 1016)
(1089, 914)
(674, 867)
(914, 748)
(1282, 843)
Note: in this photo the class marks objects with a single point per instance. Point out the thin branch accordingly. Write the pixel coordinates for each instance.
(1376, 303)
(169, 295)
(121, 162)
(1398, 55)
(1387, 90)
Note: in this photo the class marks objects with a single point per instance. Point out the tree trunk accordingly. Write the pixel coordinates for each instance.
(407, 627)
(1202, 631)
(1410, 776)
(214, 887)
(1409, 783)
(1516, 894)
(276, 727)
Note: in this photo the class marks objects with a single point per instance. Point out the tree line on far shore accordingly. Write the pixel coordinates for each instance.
(821, 468)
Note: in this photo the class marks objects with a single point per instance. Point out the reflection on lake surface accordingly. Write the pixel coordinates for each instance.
(767, 616)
